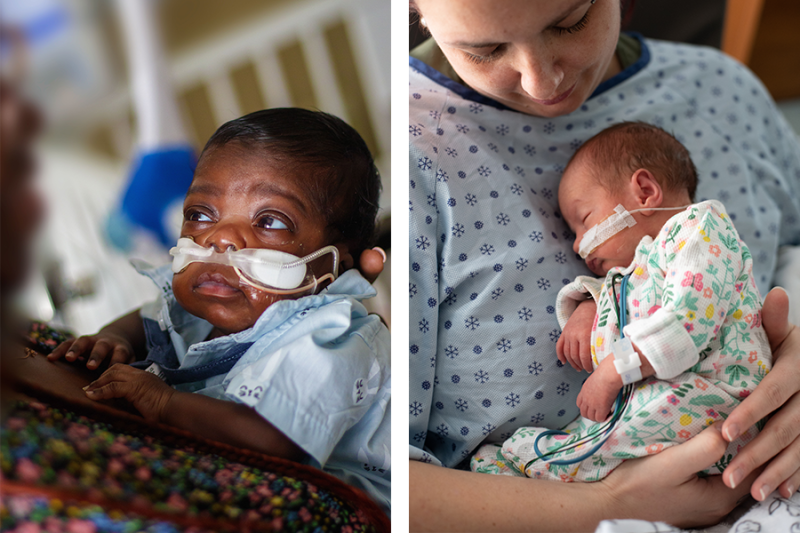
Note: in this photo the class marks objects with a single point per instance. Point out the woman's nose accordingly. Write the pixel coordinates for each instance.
(540, 74)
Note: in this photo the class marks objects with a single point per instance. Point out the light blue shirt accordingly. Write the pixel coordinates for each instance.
(489, 249)
(318, 370)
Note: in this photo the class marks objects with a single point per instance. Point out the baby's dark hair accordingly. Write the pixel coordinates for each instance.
(628, 146)
(346, 184)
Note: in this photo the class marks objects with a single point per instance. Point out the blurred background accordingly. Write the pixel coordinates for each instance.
(120, 80)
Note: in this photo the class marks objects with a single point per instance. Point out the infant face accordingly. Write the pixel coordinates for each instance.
(243, 199)
(584, 203)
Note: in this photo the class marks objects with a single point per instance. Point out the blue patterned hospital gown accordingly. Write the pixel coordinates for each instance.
(489, 250)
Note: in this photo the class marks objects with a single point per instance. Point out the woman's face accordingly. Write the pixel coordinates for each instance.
(21, 205)
(540, 57)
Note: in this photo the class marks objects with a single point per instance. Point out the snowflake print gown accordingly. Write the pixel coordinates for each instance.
(695, 312)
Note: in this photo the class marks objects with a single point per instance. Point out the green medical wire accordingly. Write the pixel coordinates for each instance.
(623, 399)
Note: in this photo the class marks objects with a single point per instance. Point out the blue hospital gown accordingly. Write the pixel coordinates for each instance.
(320, 370)
(489, 250)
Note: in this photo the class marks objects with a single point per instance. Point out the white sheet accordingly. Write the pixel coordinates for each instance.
(774, 515)
(787, 275)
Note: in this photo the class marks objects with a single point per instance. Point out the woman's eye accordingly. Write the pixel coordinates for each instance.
(271, 223)
(578, 26)
(484, 58)
(196, 216)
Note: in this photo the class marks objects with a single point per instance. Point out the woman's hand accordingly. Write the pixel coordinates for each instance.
(666, 487)
(145, 391)
(98, 347)
(778, 443)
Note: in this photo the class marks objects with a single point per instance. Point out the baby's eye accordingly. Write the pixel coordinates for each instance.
(196, 216)
(268, 222)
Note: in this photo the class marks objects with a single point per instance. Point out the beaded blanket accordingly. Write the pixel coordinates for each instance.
(72, 468)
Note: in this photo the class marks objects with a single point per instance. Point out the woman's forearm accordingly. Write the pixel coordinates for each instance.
(443, 499)
(228, 422)
(660, 487)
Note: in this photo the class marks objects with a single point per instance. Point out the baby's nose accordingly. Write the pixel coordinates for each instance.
(226, 237)
(224, 247)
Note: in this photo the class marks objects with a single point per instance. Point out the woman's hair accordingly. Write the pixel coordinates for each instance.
(344, 185)
(623, 148)
(626, 9)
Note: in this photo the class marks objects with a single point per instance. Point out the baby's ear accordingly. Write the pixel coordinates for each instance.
(646, 189)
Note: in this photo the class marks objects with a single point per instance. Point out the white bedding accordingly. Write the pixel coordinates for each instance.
(774, 515)
(787, 275)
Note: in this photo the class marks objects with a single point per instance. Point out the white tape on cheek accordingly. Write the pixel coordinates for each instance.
(585, 247)
(600, 233)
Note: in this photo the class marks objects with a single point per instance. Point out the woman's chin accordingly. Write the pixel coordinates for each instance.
(530, 107)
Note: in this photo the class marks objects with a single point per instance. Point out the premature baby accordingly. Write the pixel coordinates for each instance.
(679, 278)
(260, 339)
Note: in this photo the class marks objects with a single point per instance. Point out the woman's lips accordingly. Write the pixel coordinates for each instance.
(215, 284)
(561, 97)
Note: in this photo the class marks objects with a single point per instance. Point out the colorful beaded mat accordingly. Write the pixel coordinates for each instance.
(38, 514)
(133, 481)
(44, 338)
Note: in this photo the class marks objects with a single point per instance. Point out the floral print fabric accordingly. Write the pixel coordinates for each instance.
(694, 310)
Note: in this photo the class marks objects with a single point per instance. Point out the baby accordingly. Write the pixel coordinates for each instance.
(255, 341)
(681, 279)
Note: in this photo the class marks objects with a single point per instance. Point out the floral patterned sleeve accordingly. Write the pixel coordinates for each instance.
(570, 296)
(708, 277)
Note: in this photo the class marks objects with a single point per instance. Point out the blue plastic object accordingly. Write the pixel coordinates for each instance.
(159, 179)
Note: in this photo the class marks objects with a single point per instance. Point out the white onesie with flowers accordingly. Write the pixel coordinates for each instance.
(693, 309)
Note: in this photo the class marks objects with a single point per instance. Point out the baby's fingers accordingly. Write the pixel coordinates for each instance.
(60, 350)
(560, 349)
(113, 389)
(101, 350)
(115, 374)
(586, 357)
(121, 354)
(81, 345)
(572, 356)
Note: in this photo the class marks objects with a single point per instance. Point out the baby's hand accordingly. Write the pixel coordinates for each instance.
(98, 347)
(599, 391)
(574, 344)
(145, 391)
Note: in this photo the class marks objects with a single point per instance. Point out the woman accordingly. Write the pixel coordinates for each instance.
(21, 205)
(530, 80)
